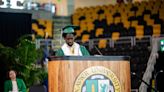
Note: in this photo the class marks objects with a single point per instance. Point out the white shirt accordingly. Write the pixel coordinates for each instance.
(15, 87)
(74, 50)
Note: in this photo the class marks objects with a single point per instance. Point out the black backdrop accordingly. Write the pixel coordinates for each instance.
(12, 26)
(158, 67)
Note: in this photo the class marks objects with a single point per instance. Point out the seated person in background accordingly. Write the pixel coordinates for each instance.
(71, 48)
(14, 84)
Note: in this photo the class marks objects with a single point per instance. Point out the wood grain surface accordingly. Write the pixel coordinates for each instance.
(63, 73)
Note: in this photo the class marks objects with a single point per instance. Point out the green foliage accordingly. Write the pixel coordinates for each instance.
(23, 58)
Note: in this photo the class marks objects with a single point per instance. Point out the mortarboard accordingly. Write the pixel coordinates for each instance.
(69, 29)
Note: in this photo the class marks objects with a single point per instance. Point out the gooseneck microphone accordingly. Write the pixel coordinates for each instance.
(98, 51)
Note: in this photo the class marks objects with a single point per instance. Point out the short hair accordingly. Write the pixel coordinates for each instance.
(65, 34)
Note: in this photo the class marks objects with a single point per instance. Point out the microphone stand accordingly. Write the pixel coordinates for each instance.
(144, 81)
(98, 51)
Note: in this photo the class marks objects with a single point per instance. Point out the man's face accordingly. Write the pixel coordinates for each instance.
(69, 39)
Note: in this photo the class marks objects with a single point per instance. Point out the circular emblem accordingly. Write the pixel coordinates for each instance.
(97, 79)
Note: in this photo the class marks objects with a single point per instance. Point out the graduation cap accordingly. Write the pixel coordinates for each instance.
(69, 29)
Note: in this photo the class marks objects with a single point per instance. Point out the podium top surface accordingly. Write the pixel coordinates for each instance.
(92, 58)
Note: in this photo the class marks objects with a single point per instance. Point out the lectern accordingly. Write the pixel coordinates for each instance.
(89, 74)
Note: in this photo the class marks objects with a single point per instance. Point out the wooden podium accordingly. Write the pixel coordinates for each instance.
(89, 74)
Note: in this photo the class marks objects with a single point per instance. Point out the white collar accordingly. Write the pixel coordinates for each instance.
(67, 51)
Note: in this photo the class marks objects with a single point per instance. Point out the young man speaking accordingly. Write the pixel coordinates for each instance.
(70, 47)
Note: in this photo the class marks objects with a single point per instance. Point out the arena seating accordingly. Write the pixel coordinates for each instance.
(42, 27)
(114, 21)
(139, 57)
(139, 19)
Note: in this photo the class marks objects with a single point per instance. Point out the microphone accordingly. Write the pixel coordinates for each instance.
(98, 51)
(134, 74)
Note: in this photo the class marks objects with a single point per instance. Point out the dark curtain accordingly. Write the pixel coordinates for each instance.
(158, 67)
(12, 26)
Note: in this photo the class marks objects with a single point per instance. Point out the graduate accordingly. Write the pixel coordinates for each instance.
(70, 47)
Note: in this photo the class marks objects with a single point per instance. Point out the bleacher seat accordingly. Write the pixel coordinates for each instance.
(85, 38)
(139, 32)
(99, 31)
(134, 23)
(42, 27)
(156, 30)
(115, 36)
(90, 26)
(78, 33)
(102, 43)
(101, 17)
(117, 20)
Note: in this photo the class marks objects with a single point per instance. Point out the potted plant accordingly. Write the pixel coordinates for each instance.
(24, 58)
